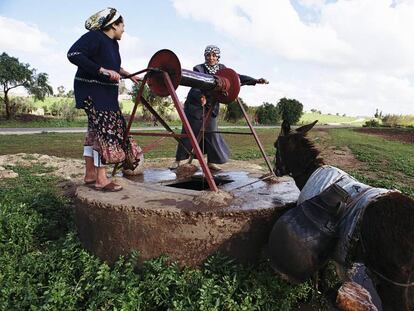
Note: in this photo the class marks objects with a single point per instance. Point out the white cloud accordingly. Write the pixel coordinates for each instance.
(380, 36)
(31, 45)
(19, 36)
(270, 25)
(133, 53)
(317, 4)
(34, 46)
(355, 58)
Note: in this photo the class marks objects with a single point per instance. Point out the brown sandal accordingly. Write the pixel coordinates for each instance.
(111, 187)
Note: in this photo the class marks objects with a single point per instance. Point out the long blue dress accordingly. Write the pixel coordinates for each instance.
(213, 144)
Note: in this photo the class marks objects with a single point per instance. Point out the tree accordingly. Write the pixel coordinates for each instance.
(233, 112)
(70, 93)
(61, 91)
(290, 110)
(377, 114)
(267, 114)
(14, 74)
(162, 105)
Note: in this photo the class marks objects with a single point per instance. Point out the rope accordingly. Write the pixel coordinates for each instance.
(253, 182)
(391, 281)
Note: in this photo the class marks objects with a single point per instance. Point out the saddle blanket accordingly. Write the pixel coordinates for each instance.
(360, 195)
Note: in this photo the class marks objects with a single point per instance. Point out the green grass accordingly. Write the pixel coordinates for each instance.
(44, 266)
(48, 102)
(390, 163)
(71, 144)
(309, 117)
(46, 123)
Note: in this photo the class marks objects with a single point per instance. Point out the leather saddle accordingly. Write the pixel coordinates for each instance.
(303, 238)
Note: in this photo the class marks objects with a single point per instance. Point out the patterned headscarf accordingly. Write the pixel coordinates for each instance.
(212, 69)
(102, 19)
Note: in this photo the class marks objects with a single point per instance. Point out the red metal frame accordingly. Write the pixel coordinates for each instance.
(190, 133)
(252, 132)
(163, 77)
(259, 144)
(170, 87)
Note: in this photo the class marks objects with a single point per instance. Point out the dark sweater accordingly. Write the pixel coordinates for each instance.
(192, 105)
(92, 51)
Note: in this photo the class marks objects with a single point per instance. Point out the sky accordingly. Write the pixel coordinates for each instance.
(337, 56)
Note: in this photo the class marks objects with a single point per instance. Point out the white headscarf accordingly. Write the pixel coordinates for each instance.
(102, 19)
(212, 69)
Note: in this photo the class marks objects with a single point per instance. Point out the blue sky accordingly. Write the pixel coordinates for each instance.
(345, 56)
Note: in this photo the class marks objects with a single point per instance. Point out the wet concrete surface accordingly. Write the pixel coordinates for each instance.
(156, 218)
(247, 186)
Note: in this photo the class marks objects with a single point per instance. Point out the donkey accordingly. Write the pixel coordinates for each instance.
(371, 225)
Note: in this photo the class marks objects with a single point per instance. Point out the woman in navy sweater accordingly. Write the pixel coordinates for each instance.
(96, 54)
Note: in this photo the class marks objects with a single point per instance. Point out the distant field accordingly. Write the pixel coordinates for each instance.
(49, 101)
(329, 118)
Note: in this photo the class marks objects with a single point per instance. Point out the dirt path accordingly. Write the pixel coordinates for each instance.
(332, 155)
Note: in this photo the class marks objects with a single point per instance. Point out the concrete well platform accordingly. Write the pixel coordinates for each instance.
(152, 215)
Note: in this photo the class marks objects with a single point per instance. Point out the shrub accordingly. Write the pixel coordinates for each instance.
(393, 120)
(290, 110)
(20, 105)
(371, 123)
(233, 111)
(65, 108)
(267, 114)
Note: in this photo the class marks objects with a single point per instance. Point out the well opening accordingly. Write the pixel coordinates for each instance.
(199, 183)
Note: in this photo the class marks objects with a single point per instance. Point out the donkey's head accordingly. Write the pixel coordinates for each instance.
(295, 154)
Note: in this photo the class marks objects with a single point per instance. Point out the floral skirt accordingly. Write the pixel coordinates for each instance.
(106, 135)
(106, 130)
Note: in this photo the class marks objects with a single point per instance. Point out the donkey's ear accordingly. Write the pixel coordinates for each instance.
(285, 128)
(306, 128)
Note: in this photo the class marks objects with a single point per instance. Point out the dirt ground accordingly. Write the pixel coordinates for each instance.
(73, 169)
(403, 135)
(343, 158)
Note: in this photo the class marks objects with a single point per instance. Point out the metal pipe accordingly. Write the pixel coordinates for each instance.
(198, 80)
(256, 137)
